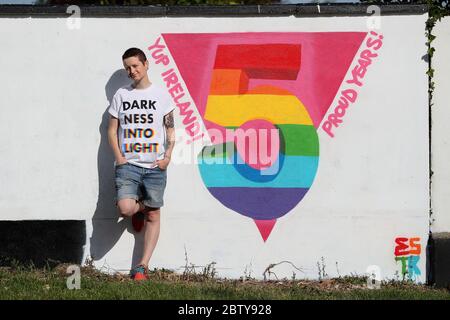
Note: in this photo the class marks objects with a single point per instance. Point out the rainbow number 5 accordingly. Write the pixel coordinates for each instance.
(266, 165)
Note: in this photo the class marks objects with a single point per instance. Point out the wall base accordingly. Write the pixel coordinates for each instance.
(42, 242)
(439, 257)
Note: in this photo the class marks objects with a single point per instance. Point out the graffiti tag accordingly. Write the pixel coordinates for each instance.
(407, 250)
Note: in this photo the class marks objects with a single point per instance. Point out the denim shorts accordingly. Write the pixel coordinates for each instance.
(147, 185)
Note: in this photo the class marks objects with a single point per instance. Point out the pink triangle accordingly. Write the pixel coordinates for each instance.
(325, 59)
(265, 227)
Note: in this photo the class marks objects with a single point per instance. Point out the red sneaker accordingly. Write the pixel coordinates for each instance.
(138, 220)
(139, 273)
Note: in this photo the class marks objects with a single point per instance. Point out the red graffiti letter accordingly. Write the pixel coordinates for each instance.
(401, 248)
(416, 248)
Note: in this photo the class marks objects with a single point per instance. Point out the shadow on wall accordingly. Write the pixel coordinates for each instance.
(107, 229)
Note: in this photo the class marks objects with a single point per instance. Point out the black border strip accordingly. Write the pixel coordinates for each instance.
(302, 10)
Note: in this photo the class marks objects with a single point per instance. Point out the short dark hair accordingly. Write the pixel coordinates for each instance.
(135, 52)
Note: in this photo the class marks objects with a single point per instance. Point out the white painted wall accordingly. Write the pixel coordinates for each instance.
(440, 151)
(371, 186)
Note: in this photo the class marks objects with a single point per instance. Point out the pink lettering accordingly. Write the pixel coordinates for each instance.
(340, 109)
(355, 73)
(193, 129)
(326, 126)
(175, 89)
(158, 54)
(349, 95)
(171, 79)
(368, 55)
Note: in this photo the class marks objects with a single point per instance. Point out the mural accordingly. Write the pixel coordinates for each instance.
(306, 155)
(262, 97)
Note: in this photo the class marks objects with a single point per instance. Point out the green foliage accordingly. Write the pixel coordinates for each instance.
(37, 284)
(437, 9)
(155, 2)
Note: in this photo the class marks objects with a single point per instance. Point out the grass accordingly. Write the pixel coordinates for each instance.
(48, 284)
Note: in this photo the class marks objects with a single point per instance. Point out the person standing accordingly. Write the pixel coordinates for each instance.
(142, 137)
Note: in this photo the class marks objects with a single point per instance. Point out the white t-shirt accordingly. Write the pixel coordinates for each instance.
(141, 112)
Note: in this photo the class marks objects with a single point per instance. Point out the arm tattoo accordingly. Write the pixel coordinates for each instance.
(168, 120)
(169, 144)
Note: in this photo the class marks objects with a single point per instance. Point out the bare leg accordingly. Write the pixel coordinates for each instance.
(128, 207)
(151, 234)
